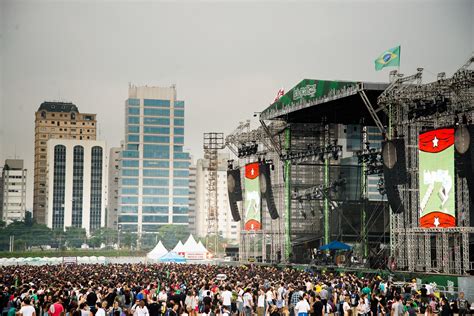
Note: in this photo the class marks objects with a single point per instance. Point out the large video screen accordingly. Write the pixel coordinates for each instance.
(436, 178)
(252, 201)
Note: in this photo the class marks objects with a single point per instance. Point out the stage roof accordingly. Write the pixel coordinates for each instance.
(339, 101)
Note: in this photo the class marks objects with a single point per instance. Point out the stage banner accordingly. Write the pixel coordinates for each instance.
(252, 202)
(436, 178)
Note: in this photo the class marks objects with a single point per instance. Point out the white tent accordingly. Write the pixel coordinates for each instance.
(157, 252)
(190, 245)
(201, 248)
(179, 248)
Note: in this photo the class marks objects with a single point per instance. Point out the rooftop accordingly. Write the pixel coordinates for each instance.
(58, 107)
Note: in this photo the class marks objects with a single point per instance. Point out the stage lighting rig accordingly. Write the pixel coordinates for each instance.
(313, 153)
(372, 158)
(247, 150)
(381, 186)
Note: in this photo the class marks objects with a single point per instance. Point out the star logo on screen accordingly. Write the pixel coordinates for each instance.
(435, 142)
(436, 221)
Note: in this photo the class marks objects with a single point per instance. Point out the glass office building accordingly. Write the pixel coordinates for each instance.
(154, 169)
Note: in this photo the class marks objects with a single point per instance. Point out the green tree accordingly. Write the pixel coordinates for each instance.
(103, 235)
(171, 234)
(30, 234)
(75, 236)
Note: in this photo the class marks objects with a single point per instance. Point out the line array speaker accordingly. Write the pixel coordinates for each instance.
(234, 190)
(266, 190)
(394, 171)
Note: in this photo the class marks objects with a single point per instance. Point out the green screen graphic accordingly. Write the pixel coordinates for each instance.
(252, 201)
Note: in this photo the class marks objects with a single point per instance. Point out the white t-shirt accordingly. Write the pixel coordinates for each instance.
(302, 306)
(269, 296)
(247, 300)
(27, 310)
(140, 311)
(261, 301)
(239, 297)
(346, 307)
(226, 298)
(100, 312)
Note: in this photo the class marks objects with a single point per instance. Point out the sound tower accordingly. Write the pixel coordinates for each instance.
(266, 189)
(464, 158)
(394, 171)
(234, 190)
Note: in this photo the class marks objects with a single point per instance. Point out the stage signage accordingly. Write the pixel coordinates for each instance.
(436, 178)
(309, 90)
(252, 201)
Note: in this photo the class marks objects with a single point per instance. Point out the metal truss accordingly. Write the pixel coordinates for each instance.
(435, 249)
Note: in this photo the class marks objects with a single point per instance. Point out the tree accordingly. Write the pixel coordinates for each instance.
(75, 236)
(103, 235)
(171, 234)
(30, 234)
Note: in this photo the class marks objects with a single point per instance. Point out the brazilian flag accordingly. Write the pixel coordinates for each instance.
(390, 57)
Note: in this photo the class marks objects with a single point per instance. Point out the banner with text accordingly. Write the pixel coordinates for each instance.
(252, 201)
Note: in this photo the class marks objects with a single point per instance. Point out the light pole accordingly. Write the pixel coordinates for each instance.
(118, 235)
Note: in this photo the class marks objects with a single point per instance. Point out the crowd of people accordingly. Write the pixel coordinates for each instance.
(210, 290)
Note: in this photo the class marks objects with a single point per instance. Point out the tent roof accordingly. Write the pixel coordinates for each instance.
(158, 251)
(179, 247)
(172, 257)
(335, 245)
(190, 245)
(201, 248)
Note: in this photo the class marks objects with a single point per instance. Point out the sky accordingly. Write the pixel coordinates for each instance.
(227, 59)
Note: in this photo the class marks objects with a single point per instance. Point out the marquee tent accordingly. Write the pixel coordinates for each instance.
(157, 252)
(172, 257)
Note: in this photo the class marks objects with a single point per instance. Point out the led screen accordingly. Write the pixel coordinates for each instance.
(436, 178)
(252, 202)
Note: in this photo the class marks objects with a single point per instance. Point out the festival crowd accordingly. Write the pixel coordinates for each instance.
(210, 290)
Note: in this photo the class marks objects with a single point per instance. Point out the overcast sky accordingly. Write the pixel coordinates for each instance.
(227, 59)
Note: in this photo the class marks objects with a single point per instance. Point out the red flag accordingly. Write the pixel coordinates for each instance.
(280, 93)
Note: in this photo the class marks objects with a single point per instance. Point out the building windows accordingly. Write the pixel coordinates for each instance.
(130, 209)
(181, 155)
(96, 188)
(155, 182)
(59, 186)
(77, 185)
(130, 154)
(181, 173)
(184, 192)
(133, 101)
(129, 163)
(178, 122)
(155, 191)
(156, 121)
(181, 164)
(156, 112)
(179, 104)
(155, 200)
(133, 120)
(133, 138)
(157, 103)
(134, 129)
(155, 173)
(155, 219)
(134, 111)
(129, 191)
(179, 140)
(129, 200)
(156, 164)
(178, 113)
(128, 219)
(180, 201)
(181, 182)
(130, 172)
(156, 151)
(180, 219)
(156, 139)
(155, 209)
(156, 130)
(179, 131)
(180, 210)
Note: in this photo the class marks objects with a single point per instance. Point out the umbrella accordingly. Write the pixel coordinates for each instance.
(335, 245)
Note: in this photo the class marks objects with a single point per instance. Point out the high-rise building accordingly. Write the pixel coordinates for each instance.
(113, 187)
(55, 120)
(13, 191)
(76, 189)
(192, 199)
(154, 181)
(228, 229)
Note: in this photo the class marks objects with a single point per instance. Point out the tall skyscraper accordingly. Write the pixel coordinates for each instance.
(76, 173)
(113, 187)
(154, 186)
(226, 225)
(56, 120)
(13, 191)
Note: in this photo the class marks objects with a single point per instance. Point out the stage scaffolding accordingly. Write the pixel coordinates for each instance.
(444, 250)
